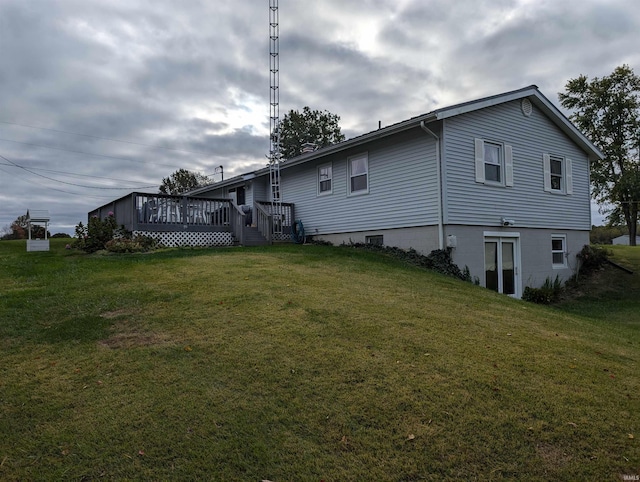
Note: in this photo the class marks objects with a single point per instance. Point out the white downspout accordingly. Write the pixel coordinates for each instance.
(440, 223)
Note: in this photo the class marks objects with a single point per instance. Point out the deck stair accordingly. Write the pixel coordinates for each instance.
(252, 237)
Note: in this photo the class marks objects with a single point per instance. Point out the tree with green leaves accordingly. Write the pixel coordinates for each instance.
(607, 110)
(182, 181)
(19, 229)
(309, 126)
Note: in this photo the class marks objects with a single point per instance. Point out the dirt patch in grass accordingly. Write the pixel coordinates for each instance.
(553, 457)
(110, 315)
(127, 335)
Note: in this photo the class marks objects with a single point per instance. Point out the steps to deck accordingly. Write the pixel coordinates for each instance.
(252, 237)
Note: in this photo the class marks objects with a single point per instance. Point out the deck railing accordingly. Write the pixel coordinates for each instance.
(161, 212)
(266, 216)
(165, 213)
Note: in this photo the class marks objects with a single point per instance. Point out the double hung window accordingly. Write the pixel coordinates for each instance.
(558, 250)
(358, 174)
(494, 163)
(325, 179)
(558, 177)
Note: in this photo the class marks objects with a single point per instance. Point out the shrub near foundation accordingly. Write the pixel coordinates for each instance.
(137, 244)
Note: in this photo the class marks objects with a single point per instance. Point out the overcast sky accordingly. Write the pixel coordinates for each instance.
(100, 98)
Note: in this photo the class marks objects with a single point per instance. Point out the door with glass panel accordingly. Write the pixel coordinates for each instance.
(501, 265)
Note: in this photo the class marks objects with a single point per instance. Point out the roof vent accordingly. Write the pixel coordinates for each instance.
(526, 107)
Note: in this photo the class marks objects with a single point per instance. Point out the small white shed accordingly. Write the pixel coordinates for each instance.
(38, 218)
(624, 239)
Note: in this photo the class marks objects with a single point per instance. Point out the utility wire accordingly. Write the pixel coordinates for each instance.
(104, 138)
(64, 182)
(74, 174)
(61, 190)
(90, 154)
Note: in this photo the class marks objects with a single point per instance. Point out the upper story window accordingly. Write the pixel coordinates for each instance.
(358, 174)
(558, 177)
(325, 179)
(494, 163)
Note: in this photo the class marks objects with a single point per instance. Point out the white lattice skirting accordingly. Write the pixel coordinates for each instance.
(177, 238)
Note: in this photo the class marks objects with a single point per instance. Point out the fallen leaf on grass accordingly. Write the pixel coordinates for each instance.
(411, 437)
(140, 452)
(572, 424)
(631, 437)
(187, 348)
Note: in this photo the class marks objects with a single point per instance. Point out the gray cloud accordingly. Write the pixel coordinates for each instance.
(186, 84)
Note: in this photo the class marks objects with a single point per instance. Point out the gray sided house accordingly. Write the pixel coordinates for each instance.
(502, 181)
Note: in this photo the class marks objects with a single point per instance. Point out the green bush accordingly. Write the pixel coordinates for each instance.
(548, 293)
(137, 244)
(592, 258)
(438, 260)
(96, 234)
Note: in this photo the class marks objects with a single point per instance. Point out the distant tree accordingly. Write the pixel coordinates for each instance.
(607, 110)
(309, 126)
(182, 181)
(605, 234)
(61, 235)
(19, 229)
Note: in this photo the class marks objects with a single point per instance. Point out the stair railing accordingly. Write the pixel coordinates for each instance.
(264, 222)
(237, 221)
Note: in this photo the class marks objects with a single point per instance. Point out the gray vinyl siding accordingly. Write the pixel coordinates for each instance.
(402, 188)
(469, 202)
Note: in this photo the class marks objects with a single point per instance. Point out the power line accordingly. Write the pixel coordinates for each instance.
(90, 154)
(64, 182)
(104, 138)
(62, 190)
(75, 174)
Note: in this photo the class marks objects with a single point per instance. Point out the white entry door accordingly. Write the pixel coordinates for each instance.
(501, 265)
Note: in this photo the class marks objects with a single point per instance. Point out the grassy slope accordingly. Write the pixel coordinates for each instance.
(302, 363)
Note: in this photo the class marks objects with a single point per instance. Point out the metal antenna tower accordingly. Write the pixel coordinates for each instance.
(274, 152)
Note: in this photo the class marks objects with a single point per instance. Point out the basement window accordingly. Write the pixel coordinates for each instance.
(558, 250)
(377, 240)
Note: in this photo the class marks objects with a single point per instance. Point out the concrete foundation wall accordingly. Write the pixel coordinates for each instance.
(423, 239)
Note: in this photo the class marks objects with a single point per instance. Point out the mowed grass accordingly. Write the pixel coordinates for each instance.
(304, 363)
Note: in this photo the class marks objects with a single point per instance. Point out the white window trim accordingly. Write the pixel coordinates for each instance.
(330, 191)
(563, 237)
(506, 163)
(364, 155)
(566, 187)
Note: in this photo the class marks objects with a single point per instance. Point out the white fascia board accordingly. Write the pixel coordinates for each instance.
(474, 105)
(539, 101)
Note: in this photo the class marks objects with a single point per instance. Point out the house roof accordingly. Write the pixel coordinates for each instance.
(531, 92)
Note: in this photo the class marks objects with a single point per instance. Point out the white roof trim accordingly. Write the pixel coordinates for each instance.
(539, 101)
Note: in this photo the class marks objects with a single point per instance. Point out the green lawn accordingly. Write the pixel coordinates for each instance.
(296, 363)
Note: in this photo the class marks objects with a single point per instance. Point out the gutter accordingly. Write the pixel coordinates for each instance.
(439, 180)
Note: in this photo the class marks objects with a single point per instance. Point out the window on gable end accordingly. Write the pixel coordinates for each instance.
(558, 177)
(494, 163)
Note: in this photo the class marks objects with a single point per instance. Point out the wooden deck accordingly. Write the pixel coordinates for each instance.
(162, 213)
